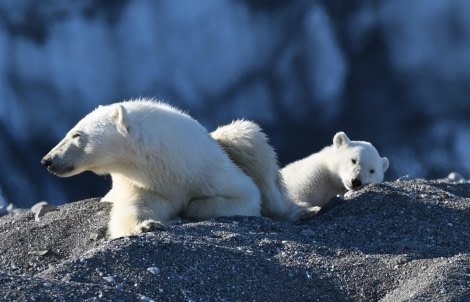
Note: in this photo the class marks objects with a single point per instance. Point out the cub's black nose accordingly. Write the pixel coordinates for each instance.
(46, 162)
(356, 183)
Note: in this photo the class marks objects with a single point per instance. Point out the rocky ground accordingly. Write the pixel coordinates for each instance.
(396, 241)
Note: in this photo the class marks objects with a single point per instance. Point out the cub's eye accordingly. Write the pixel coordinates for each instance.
(76, 135)
(353, 161)
(372, 171)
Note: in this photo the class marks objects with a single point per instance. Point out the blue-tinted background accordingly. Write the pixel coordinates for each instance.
(396, 73)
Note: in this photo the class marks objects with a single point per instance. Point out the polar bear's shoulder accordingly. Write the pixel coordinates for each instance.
(150, 105)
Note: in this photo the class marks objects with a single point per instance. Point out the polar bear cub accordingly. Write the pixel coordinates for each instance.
(345, 165)
(162, 163)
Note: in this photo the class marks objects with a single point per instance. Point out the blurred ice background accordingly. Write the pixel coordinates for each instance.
(393, 72)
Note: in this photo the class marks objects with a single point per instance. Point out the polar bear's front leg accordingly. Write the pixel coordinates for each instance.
(118, 188)
(125, 221)
(110, 196)
(132, 217)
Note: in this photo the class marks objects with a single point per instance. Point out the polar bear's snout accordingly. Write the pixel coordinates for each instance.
(62, 159)
(46, 162)
(55, 165)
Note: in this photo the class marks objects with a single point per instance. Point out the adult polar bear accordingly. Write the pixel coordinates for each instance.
(163, 164)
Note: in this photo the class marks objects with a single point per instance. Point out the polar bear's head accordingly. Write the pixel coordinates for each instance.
(358, 163)
(92, 144)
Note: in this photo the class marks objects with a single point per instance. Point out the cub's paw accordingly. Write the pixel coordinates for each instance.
(148, 226)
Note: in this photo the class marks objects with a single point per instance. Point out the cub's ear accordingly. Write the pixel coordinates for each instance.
(119, 118)
(385, 163)
(341, 139)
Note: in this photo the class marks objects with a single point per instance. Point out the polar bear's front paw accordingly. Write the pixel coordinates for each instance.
(310, 212)
(148, 226)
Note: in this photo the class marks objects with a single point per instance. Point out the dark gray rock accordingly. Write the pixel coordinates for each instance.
(395, 241)
(41, 208)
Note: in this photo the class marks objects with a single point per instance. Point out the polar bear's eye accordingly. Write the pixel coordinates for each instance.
(372, 171)
(353, 161)
(76, 135)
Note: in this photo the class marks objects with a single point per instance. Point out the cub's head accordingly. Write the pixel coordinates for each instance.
(358, 163)
(93, 144)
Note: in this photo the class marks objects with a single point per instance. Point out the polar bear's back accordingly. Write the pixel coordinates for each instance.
(176, 149)
(159, 126)
(150, 116)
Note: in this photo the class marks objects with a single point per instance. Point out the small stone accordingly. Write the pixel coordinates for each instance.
(38, 253)
(307, 233)
(41, 208)
(109, 279)
(402, 260)
(66, 278)
(47, 284)
(444, 291)
(154, 270)
(36, 206)
(404, 178)
(454, 177)
(100, 234)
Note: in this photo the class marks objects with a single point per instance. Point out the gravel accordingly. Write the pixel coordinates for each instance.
(395, 241)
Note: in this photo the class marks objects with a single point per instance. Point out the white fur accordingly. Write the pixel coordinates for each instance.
(162, 162)
(345, 165)
(248, 147)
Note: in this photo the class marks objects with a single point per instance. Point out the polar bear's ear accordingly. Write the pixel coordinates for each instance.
(119, 118)
(341, 139)
(385, 163)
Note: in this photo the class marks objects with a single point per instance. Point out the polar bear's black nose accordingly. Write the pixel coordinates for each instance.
(356, 183)
(46, 162)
